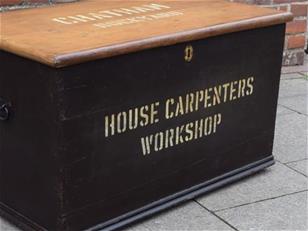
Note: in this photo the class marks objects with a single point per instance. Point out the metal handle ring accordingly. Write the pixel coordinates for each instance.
(4, 112)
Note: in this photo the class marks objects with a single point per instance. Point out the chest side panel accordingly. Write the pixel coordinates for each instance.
(30, 186)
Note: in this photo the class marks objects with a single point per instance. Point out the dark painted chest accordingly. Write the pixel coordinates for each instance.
(110, 117)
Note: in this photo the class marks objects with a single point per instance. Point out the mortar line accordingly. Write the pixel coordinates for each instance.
(255, 202)
(214, 214)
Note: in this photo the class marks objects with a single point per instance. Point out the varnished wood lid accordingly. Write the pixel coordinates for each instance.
(69, 34)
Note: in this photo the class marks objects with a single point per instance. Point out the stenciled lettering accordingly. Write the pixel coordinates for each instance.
(132, 119)
(107, 14)
(209, 97)
(181, 134)
(171, 108)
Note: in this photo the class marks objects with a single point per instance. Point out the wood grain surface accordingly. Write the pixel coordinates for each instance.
(69, 34)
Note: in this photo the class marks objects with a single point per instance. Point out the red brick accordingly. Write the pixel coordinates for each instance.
(283, 8)
(10, 2)
(298, 26)
(296, 41)
(299, 9)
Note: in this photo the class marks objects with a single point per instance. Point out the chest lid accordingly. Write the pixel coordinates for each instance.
(68, 34)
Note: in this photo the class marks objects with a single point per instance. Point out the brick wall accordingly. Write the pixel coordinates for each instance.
(296, 38)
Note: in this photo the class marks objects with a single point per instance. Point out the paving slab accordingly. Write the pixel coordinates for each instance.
(276, 181)
(190, 216)
(294, 69)
(300, 166)
(281, 110)
(293, 87)
(291, 76)
(139, 227)
(6, 226)
(284, 213)
(305, 74)
(298, 104)
(298, 68)
(290, 143)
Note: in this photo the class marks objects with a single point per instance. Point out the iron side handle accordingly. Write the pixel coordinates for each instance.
(4, 110)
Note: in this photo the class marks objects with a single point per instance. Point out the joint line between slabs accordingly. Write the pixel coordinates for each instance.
(214, 214)
(255, 202)
(303, 75)
(294, 161)
(291, 78)
(299, 76)
(286, 164)
(292, 110)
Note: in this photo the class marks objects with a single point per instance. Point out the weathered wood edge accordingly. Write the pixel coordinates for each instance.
(64, 60)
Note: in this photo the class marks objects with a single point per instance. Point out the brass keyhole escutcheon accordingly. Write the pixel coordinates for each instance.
(189, 53)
